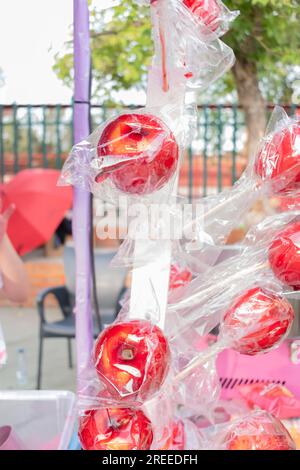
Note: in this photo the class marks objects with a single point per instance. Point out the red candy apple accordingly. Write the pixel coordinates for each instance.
(179, 276)
(115, 429)
(257, 321)
(150, 147)
(284, 256)
(208, 11)
(132, 359)
(259, 431)
(279, 159)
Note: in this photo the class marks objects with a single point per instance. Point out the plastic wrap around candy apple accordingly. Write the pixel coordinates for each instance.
(284, 256)
(274, 398)
(173, 437)
(142, 153)
(132, 359)
(179, 277)
(208, 11)
(258, 431)
(115, 429)
(279, 159)
(257, 321)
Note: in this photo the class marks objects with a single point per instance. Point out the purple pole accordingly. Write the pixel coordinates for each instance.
(82, 199)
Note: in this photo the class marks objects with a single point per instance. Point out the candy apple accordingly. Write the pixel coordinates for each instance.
(115, 429)
(259, 431)
(145, 151)
(279, 159)
(257, 321)
(284, 256)
(179, 276)
(132, 359)
(208, 11)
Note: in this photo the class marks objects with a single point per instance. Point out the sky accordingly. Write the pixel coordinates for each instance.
(31, 33)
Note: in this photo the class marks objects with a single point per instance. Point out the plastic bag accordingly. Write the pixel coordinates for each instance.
(251, 264)
(274, 398)
(190, 48)
(257, 431)
(115, 429)
(135, 154)
(205, 227)
(129, 364)
(246, 303)
(213, 13)
(274, 171)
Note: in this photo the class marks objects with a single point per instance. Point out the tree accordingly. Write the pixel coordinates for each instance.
(121, 46)
(265, 38)
(266, 41)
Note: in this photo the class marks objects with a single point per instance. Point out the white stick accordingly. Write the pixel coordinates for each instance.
(203, 295)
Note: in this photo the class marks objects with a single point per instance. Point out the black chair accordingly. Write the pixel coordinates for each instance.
(110, 284)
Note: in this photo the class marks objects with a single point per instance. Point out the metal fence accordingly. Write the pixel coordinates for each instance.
(41, 136)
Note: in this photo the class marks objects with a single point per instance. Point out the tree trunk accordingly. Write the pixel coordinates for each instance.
(252, 102)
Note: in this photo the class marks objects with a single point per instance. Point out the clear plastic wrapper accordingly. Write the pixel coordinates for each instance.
(174, 436)
(257, 321)
(257, 431)
(115, 429)
(212, 218)
(284, 256)
(273, 171)
(180, 276)
(137, 153)
(274, 398)
(129, 365)
(132, 358)
(134, 154)
(191, 47)
(250, 265)
(243, 298)
(213, 14)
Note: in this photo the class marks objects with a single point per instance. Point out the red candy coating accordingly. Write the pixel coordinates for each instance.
(115, 429)
(280, 156)
(257, 321)
(259, 431)
(132, 359)
(179, 276)
(208, 11)
(146, 138)
(284, 256)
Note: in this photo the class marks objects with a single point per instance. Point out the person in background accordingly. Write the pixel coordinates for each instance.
(14, 284)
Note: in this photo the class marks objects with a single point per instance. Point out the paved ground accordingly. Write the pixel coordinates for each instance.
(20, 327)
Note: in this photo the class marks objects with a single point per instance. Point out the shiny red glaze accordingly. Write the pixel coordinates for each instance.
(179, 276)
(281, 157)
(261, 431)
(146, 138)
(267, 315)
(284, 256)
(115, 429)
(208, 11)
(132, 359)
